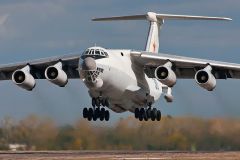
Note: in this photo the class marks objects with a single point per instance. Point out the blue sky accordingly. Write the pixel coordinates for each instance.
(31, 29)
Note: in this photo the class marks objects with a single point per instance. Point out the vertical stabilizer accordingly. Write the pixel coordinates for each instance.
(152, 44)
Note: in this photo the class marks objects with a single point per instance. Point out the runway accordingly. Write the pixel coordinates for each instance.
(117, 155)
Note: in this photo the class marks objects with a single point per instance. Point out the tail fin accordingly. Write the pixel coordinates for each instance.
(156, 21)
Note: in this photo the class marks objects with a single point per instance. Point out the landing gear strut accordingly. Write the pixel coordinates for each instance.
(147, 114)
(96, 111)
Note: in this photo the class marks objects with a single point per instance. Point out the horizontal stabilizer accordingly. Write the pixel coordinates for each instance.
(161, 16)
(157, 20)
(189, 17)
(133, 17)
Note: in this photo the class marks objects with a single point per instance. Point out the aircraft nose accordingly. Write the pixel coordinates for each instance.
(89, 64)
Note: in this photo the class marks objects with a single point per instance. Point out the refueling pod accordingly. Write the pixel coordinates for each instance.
(56, 75)
(23, 78)
(205, 78)
(166, 75)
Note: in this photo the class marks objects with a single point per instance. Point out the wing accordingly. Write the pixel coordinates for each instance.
(70, 64)
(185, 67)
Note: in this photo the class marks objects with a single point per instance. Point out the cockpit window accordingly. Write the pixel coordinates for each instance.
(95, 53)
(91, 52)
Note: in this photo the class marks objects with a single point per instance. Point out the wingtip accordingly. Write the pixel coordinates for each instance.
(226, 18)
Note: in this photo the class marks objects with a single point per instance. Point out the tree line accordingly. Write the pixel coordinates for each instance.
(178, 133)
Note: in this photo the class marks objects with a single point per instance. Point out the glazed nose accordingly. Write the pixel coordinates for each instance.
(89, 64)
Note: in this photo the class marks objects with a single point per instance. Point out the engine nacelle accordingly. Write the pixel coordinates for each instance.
(23, 78)
(56, 75)
(206, 79)
(166, 75)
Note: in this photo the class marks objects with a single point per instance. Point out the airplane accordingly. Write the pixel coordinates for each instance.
(124, 79)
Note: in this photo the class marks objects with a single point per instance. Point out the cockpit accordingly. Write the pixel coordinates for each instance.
(95, 52)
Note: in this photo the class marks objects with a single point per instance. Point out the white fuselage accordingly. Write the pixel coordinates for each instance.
(124, 82)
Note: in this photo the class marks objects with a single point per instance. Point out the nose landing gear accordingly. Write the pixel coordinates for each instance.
(96, 111)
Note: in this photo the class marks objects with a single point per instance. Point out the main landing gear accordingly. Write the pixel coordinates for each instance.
(146, 114)
(96, 111)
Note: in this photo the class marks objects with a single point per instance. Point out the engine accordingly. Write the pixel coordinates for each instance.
(56, 75)
(166, 75)
(206, 79)
(23, 78)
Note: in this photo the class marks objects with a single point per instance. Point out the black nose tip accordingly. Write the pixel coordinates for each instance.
(89, 64)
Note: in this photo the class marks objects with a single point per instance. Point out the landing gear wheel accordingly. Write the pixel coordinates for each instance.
(94, 116)
(153, 114)
(97, 112)
(93, 102)
(142, 111)
(159, 115)
(136, 113)
(148, 113)
(103, 101)
(107, 115)
(90, 114)
(145, 116)
(102, 114)
(141, 114)
(98, 102)
(85, 112)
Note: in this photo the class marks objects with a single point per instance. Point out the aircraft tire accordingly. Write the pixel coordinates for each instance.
(107, 115)
(90, 114)
(136, 113)
(153, 114)
(142, 111)
(93, 102)
(145, 117)
(97, 112)
(98, 102)
(102, 114)
(85, 112)
(159, 116)
(94, 116)
(148, 112)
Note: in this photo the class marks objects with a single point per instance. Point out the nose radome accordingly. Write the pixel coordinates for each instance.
(89, 64)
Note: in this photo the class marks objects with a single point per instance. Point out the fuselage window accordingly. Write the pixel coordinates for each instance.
(122, 54)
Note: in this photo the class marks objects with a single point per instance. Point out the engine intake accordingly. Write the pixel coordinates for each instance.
(56, 75)
(166, 75)
(24, 79)
(206, 79)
